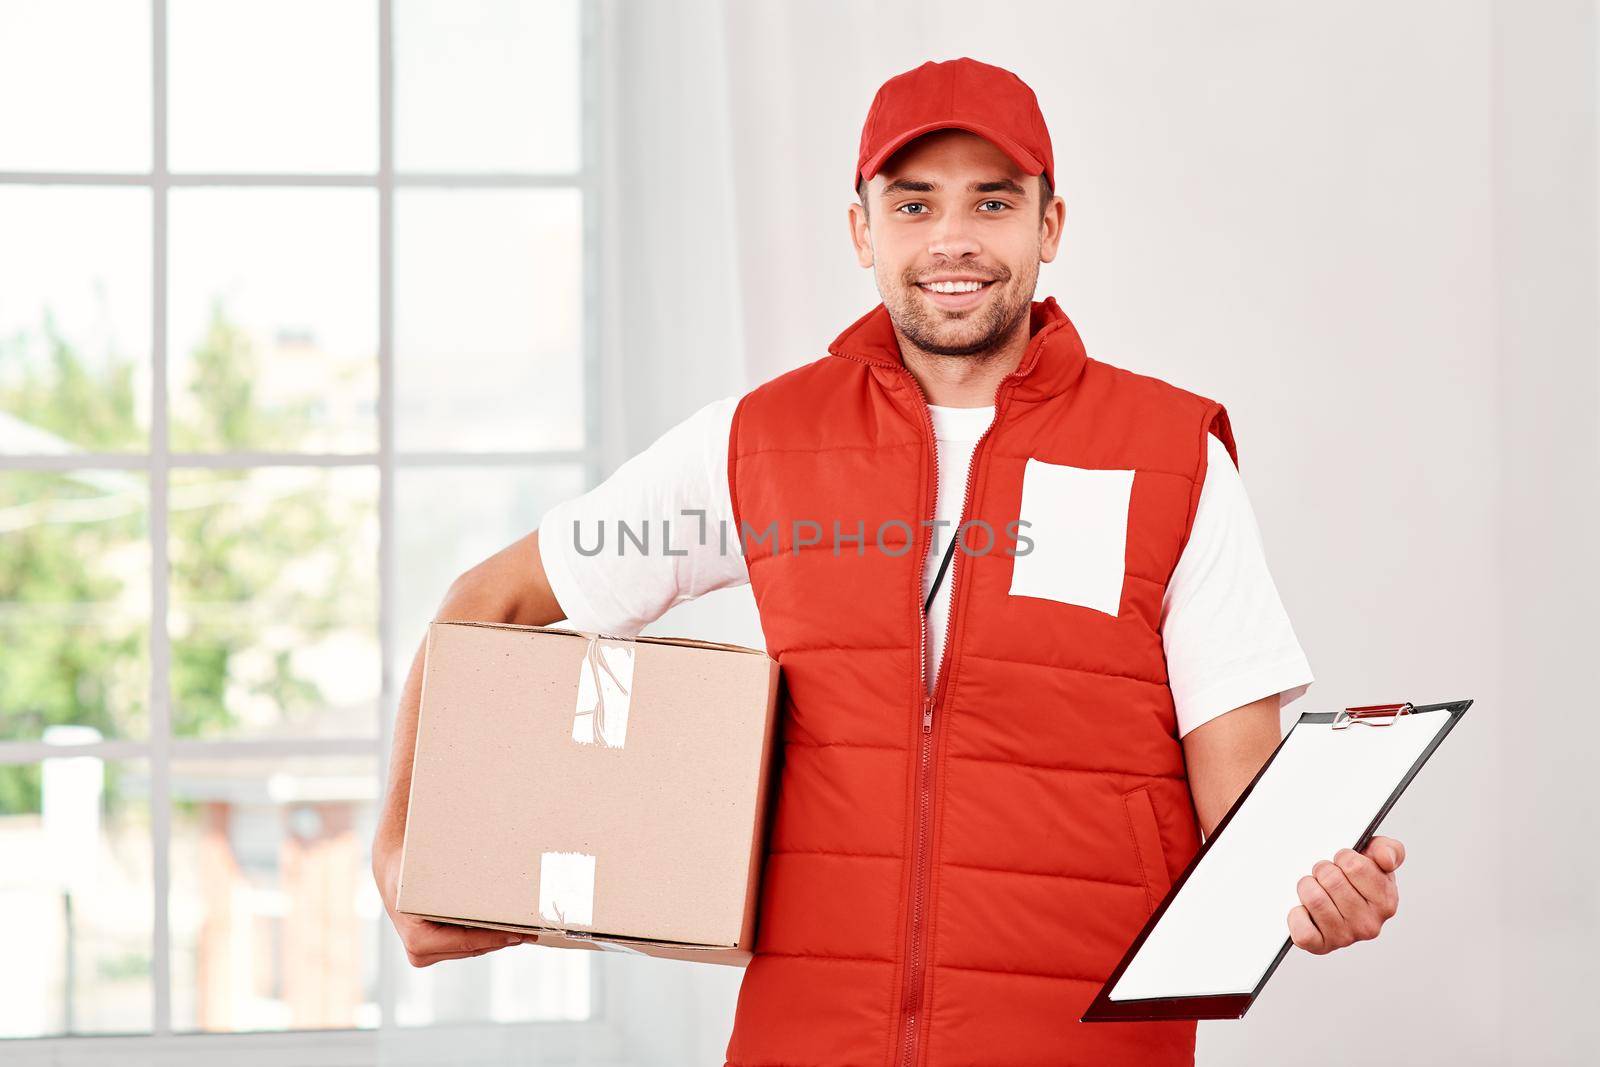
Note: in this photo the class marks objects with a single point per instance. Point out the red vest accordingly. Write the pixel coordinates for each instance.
(950, 879)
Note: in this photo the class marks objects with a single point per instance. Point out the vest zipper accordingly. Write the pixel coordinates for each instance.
(916, 932)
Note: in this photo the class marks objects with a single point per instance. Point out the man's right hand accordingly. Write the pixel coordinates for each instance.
(428, 942)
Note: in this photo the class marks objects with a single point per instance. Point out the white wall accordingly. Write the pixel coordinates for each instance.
(1370, 230)
(1547, 336)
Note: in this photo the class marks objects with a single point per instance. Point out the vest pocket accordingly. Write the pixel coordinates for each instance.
(1077, 519)
(1146, 839)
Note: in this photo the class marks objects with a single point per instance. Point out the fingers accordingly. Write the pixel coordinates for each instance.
(1371, 881)
(1320, 906)
(1304, 932)
(1347, 899)
(418, 959)
(429, 942)
(429, 961)
(1337, 885)
(1314, 898)
(1386, 852)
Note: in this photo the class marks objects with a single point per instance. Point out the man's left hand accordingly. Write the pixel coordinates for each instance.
(1347, 899)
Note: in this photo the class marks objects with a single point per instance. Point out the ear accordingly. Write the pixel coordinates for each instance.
(1055, 217)
(861, 235)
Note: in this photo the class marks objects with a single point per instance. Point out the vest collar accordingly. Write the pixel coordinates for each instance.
(1051, 364)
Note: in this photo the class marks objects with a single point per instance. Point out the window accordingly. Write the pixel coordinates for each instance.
(297, 306)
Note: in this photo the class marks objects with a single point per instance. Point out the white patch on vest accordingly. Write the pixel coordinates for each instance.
(1078, 520)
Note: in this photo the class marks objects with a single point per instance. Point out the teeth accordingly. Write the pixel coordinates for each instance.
(953, 287)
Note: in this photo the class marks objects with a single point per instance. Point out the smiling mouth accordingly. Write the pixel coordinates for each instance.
(954, 288)
(955, 297)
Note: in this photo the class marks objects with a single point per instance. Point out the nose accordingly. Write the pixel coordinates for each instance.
(952, 238)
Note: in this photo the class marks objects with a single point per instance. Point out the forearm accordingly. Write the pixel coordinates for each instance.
(403, 746)
(1224, 754)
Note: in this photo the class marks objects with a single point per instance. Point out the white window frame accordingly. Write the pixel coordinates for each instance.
(598, 1041)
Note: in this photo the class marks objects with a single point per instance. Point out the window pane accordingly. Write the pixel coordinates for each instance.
(75, 85)
(489, 319)
(274, 912)
(74, 319)
(489, 509)
(76, 893)
(487, 85)
(274, 602)
(290, 85)
(273, 318)
(74, 602)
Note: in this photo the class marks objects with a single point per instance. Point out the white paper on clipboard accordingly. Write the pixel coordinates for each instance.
(1223, 928)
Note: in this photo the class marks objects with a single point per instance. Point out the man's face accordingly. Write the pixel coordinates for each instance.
(952, 211)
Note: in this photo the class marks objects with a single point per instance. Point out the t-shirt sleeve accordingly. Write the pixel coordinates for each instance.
(1227, 638)
(653, 534)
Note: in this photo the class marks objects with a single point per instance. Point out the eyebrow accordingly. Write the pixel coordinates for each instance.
(919, 185)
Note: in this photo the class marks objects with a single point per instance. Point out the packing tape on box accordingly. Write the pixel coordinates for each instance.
(600, 717)
(566, 897)
(605, 685)
(617, 946)
(566, 887)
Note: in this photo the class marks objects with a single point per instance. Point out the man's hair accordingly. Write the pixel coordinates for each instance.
(1045, 193)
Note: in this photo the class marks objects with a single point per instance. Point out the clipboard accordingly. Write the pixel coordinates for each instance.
(1207, 951)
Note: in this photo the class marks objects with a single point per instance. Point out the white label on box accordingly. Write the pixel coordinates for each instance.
(566, 888)
(617, 946)
(605, 678)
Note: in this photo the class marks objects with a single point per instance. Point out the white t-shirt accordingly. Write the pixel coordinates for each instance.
(1227, 638)
(955, 432)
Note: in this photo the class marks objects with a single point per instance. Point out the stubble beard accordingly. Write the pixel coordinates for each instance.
(979, 334)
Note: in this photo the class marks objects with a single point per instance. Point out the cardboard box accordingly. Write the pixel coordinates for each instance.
(603, 792)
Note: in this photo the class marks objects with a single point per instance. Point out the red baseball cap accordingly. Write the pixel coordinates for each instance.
(961, 94)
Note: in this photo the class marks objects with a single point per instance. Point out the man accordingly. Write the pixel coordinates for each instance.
(997, 758)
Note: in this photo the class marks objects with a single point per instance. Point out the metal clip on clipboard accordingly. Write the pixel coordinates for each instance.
(1371, 715)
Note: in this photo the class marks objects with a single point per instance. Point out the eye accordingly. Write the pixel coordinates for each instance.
(1002, 203)
(903, 207)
